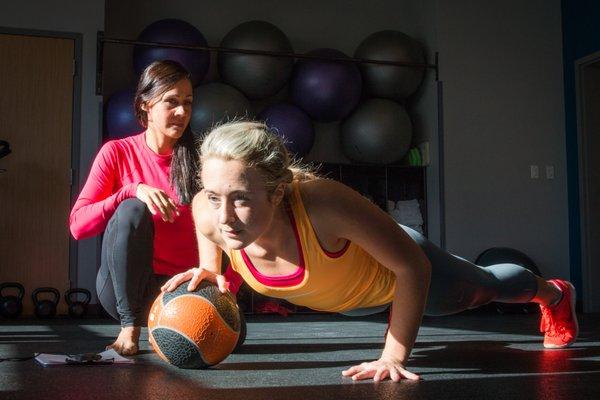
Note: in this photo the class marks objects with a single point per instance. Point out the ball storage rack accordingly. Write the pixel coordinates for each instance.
(101, 40)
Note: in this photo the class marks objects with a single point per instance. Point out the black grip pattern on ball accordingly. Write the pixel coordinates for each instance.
(178, 349)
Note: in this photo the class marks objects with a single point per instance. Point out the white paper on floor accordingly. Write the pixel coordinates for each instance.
(60, 359)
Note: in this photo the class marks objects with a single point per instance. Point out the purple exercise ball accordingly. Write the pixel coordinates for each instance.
(119, 118)
(327, 90)
(292, 124)
(173, 31)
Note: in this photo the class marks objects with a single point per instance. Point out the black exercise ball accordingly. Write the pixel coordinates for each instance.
(502, 255)
(257, 76)
(507, 255)
(216, 103)
(379, 131)
(387, 81)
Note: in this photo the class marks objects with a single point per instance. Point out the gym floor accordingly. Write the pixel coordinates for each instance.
(471, 355)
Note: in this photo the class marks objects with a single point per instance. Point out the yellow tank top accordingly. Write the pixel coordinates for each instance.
(339, 282)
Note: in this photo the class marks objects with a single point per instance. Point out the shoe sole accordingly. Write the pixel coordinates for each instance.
(573, 298)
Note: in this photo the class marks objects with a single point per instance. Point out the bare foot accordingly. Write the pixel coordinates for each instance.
(127, 344)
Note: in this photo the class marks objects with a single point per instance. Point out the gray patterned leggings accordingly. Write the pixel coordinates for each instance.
(458, 285)
(126, 284)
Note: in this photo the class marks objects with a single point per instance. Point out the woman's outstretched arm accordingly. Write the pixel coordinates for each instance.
(341, 212)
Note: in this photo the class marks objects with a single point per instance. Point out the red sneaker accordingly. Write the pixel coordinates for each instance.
(559, 322)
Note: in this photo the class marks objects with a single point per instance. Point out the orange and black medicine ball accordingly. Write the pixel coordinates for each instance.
(195, 329)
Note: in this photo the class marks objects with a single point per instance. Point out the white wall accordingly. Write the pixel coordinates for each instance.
(501, 65)
(86, 18)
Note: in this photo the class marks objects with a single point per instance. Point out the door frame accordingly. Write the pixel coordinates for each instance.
(75, 123)
(584, 201)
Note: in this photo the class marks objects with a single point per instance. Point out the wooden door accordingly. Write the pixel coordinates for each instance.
(36, 100)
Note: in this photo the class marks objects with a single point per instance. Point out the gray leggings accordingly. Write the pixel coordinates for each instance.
(126, 284)
(458, 285)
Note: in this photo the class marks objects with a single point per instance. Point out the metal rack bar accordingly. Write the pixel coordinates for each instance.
(101, 40)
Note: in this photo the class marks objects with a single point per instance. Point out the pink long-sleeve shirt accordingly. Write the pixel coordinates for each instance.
(117, 170)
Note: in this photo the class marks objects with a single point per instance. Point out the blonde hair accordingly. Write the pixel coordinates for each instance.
(256, 145)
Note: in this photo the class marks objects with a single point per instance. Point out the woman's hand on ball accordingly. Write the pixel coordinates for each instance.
(195, 276)
(157, 200)
(177, 280)
(200, 274)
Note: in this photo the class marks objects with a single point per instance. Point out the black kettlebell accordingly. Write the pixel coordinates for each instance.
(4, 148)
(11, 306)
(77, 308)
(45, 308)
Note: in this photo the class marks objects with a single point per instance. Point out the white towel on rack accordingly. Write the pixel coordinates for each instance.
(390, 206)
(407, 212)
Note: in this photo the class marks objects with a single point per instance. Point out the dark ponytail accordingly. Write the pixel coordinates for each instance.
(157, 78)
(185, 166)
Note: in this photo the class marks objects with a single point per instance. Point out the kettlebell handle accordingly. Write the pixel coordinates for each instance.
(4, 148)
(52, 290)
(70, 292)
(16, 285)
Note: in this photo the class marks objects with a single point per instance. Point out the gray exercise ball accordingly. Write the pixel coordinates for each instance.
(215, 103)
(256, 76)
(386, 81)
(379, 131)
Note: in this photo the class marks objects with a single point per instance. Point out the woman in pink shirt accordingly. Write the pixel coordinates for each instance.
(138, 194)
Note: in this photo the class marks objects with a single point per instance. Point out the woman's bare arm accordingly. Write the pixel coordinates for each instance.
(209, 249)
(341, 212)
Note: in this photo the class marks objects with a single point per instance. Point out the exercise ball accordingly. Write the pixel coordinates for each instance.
(387, 81)
(327, 90)
(215, 103)
(507, 255)
(292, 124)
(257, 76)
(119, 118)
(172, 31)
(194, 329)
(379, 131)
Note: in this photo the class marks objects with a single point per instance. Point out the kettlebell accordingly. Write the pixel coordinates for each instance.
(45, 308)
(11, 306)
(77, 308)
